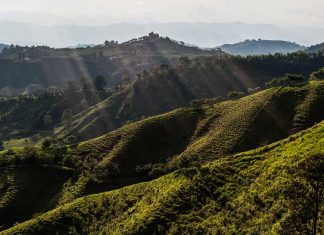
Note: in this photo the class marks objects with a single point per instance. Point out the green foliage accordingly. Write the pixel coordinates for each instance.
(318, 75)
(287, 80)
(306, 197)
(234, 192)
(235, 95)
(244, 193)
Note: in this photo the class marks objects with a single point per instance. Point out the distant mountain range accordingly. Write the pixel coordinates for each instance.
(201, 34)
(261, 47)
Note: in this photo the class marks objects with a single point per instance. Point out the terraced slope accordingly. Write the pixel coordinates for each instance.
(245, 193)
(159, 145)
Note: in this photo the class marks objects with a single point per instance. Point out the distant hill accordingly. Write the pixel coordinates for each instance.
(185, 139)
(48, 66)
(316, 48)
(261, 47)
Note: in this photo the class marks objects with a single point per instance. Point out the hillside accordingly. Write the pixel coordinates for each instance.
(261, 47)
(160, 89)
(168, 87)
(152, 147)
(254, 192)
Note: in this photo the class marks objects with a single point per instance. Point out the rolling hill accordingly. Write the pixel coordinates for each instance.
(49, 66)
(261, 47)
(189, 137)
(252, 192)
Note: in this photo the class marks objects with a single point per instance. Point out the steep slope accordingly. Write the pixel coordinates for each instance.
(244, 193)
(261, 47)
(156, 146)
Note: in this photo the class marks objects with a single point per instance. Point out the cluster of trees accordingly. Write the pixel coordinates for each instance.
(287, 80)
(306, 197)
(28, 115)
(318, 75)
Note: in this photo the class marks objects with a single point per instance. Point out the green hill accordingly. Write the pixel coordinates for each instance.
(256, 192)
(147, 149)
(261, 47)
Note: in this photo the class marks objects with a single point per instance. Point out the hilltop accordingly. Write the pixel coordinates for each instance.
(251, 192)
(189, 137)
(53, 66)
(261, 47)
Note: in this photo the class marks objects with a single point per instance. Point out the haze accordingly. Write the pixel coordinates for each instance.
(288, 15)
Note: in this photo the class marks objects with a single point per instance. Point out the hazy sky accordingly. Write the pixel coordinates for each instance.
(279, 12)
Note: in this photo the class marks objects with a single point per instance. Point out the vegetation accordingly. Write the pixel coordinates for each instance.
(287, 80)
(189, 137)
(166, 88)
(244, 193)
(241, 152)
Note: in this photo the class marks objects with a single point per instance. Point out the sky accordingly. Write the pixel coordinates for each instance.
(98, 12)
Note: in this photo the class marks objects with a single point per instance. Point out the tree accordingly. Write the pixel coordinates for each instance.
(1, 145)
(287, 80)
(235, 95)
(67, 118)
(48, 120)
(318, 75)
(100, 83)
(306, 196)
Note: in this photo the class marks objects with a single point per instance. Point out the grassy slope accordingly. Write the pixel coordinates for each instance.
(183, 138)
(211, 131)
(242, 193)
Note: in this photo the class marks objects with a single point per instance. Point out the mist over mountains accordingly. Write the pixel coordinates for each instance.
(201, 34)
